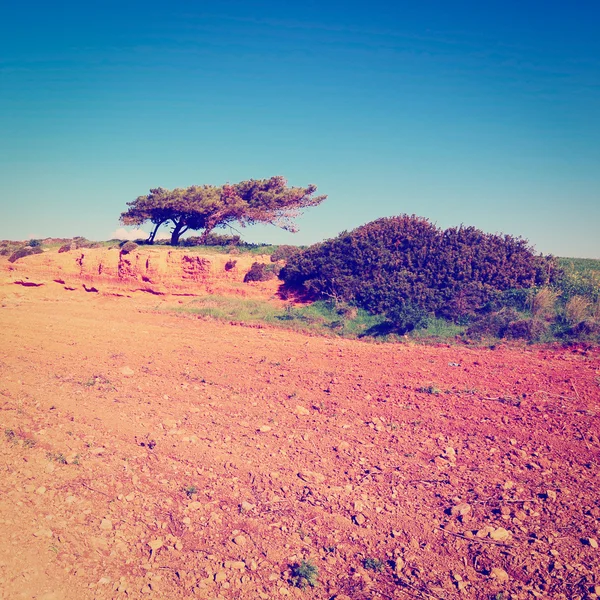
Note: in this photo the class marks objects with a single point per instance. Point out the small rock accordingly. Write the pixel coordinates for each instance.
(104, 580)
(220, 576)
(106, 524)
(460, 510)
(342, 446)
(127, 371)
(246, 506)
(360, 519)
(301, 411)
(240, 540)
(311, 477)
(398, 566)
(156, 544)
(551, 495)
(500, 575)
(592, 542)
(500, 534)
(264, 428)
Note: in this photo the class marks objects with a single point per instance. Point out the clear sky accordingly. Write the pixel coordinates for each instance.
(482, 113)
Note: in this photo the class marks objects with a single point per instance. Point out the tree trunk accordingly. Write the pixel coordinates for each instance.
(179, 228)
(150, 240)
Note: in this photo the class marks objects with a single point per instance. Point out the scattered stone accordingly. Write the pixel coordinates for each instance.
(301, 411)
(106, 524)
(593, 542)
(342, 446)
(104, 581)
(311, 477)
(246, 506)
(127, 371)
(360, 519)
(460, 510)
(240, 540)
(265, 428)
(220, 576)
(500, 534)
(551, 495)
(43, 533)
(398, 566)
(156, 544)
(500, 575)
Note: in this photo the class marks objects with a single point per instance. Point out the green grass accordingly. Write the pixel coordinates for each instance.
(438, 330)
(319, 317)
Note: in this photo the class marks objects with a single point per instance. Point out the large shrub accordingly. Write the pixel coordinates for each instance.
(22, 252)
(408, 260)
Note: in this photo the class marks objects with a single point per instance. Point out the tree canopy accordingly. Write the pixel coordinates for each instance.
(205, 207)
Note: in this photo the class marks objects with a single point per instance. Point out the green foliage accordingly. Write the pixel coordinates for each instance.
(407, 260)
(206, 207)
(284, 252)
(212, 239)
(305, 574)
(493, 324)
(22, 252)
(373, 564)
(260, 272)
(190, 490)
(319, 317)
(405, 317)
(34, 243)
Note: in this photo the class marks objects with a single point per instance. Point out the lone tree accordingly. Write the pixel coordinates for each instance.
(205, 207)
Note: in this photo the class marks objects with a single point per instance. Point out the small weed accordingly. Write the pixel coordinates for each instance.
(373, 564)
(190, 490)
(409, 455)
(29, 443)
(304, 574)
(59, 458)
(429, 389)
(11, 436)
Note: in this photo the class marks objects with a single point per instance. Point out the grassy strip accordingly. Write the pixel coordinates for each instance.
(319, 317)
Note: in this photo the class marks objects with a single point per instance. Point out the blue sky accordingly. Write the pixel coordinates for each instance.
(486, 114)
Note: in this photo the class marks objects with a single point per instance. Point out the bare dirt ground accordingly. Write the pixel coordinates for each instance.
(149, 455)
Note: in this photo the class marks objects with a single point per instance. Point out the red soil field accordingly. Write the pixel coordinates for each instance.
(151, 455)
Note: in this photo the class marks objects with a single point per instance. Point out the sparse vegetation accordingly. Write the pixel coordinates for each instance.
(373, 564)
(190, 490)
(23, 252)
(305, 574)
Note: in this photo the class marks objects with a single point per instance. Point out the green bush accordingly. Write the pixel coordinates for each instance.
(260, 272)
(532, 330)
(304, 574)
(212, 239)
(284, 252)
(22, 252)
(493, 324)
(407, 260)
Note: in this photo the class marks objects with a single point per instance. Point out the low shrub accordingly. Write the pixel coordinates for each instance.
(128, 247)
(230, 265)
(64, 248)
(284, 253)
(304, 574)
(532, 330)
(22, 252)
(406, 317)
(494, 324)
(212, 239)
(260, 272)
(34, 243)
(576, 310)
